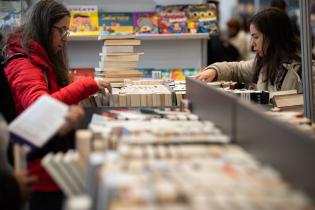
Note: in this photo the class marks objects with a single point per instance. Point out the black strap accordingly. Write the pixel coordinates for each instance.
(22, 55)
(16, 55)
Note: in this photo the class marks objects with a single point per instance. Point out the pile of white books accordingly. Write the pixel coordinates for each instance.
(118, 60)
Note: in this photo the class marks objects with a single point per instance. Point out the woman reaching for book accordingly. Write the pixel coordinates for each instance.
(42, 69)
(277, 64)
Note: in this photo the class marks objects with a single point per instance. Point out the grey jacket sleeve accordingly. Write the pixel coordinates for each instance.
(242, 71)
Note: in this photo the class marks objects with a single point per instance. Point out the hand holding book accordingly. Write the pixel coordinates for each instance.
(103, 84)
(73, 119)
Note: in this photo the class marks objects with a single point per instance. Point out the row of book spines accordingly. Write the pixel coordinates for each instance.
(66, 170)
(135, 100)
(120, 79)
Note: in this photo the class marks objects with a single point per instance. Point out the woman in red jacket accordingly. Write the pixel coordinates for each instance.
(44, 71)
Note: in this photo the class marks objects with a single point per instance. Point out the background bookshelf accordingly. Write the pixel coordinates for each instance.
(160, 51)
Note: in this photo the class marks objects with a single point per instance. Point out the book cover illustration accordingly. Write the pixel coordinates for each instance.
(177, 74)
(83, 19)
(145, 22)
(116, 23)
(202, 18)
(172, 19)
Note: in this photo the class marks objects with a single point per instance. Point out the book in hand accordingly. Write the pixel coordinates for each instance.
(38, 123)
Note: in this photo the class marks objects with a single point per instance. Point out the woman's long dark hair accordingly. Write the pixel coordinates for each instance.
(279, 42)
(38, 27)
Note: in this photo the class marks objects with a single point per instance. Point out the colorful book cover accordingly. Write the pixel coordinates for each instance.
(145, 22)
(202, 18)
(177, 74)
(114, 23)
(172, 19)
(83, 19)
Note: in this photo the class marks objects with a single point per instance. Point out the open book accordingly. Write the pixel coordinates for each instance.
(38, 123)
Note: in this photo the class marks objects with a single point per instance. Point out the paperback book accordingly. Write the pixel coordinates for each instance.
(145, 22)
(172, 19)
(202, 18)
(83, 19)
(114, 23)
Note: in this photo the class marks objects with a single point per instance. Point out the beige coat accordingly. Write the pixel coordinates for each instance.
(243, 71)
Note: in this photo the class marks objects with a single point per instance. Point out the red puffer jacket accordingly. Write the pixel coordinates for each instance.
(27, 80)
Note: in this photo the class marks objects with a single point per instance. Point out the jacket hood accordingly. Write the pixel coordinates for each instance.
(36, 55)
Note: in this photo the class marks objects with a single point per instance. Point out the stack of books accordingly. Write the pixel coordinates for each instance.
(67, 171)
(119, 60)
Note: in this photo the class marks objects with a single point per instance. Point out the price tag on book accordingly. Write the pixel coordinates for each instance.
(37, 124)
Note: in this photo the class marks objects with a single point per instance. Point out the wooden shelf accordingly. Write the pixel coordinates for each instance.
(146, 37)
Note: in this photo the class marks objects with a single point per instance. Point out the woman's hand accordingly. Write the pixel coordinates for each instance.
(25, 182)
(207, 75)
(102, 84)
(73, 119)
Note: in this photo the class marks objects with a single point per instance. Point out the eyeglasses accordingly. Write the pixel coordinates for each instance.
(63, 31)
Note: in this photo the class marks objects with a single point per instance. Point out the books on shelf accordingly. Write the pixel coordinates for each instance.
(116, 22)
(83, 19)
(172, 19)
(202, 18)
(145, 22)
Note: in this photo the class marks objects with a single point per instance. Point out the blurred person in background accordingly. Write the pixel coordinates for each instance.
(238, 37)
(282, 5)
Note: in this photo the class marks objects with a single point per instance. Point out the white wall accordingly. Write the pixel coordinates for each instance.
(227, 10)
